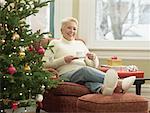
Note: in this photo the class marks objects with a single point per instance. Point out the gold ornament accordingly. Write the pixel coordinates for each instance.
(2, 41)
(27, 67)
(15, 36)
(21, 54)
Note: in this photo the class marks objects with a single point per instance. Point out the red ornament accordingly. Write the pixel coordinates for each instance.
(31, 48)
(11, 69)
(14, 105)
(41, 50)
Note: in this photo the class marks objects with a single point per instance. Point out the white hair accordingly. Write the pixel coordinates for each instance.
(68, 19)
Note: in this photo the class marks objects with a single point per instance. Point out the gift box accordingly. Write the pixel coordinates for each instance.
(125, 73)
(114, 61)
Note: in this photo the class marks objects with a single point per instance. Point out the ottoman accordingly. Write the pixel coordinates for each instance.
(116, 103)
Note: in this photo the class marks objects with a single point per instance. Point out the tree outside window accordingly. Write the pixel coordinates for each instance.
(123, 20)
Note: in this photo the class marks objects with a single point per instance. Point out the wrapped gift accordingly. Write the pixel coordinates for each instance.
(125, 73)
(114, 61)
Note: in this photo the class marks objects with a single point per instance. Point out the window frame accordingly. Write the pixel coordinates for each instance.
(88, 31)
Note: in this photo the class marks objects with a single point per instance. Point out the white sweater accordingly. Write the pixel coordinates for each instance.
(55, 58)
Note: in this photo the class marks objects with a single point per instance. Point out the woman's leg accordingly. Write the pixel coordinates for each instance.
(94, 79)
(94, 86)
(91, 77)
(87, 74)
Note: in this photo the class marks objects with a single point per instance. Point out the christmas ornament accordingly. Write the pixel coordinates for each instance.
(2, 41)
(14, 105)
(39, 97)
(15, 36)
(21, 54)
(30, 48)
(41, 50)
(11, 69)
(27, 68)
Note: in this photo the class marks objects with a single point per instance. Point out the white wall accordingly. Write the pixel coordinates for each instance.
(63, 8)
(86, 26)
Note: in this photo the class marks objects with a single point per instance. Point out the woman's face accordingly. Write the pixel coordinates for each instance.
(69, 30)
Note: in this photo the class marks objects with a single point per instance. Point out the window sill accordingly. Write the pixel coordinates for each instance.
(126, 53)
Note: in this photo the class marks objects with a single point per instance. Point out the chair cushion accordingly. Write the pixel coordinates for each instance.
(116, 103)
(70, 89)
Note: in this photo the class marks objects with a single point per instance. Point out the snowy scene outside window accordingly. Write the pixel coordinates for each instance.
(40, 21)
(127, 20)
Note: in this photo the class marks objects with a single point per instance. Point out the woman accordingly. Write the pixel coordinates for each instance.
(72, 59)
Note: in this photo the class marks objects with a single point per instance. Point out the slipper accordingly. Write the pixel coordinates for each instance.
(127, 83)
(110, 82)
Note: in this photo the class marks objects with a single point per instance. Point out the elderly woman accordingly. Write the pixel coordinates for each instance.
(72, 59)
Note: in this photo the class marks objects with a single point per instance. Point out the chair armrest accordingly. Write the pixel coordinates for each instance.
(53, 71)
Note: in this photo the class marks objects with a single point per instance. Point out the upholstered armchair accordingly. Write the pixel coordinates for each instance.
(75, 98)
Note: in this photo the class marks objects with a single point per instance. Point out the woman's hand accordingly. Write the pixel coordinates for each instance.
(90, 56)
(69, 58)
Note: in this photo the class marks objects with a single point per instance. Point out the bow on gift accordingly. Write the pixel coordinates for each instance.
(132, 68)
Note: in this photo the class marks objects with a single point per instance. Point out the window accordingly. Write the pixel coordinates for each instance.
(43, 20)
(134, 26)
(122, 20)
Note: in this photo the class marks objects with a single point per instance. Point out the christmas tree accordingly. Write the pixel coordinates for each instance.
(21, 74)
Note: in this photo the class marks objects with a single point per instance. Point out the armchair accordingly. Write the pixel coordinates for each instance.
(74, 98)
